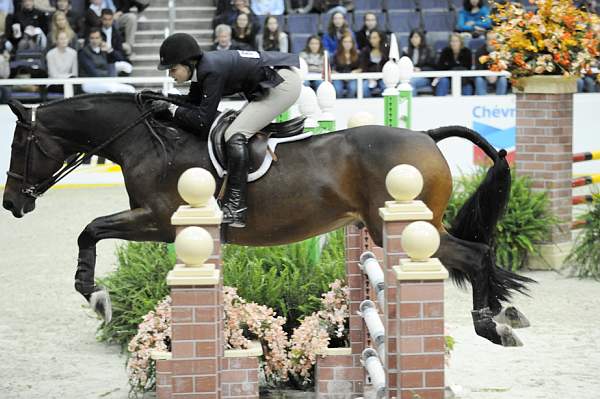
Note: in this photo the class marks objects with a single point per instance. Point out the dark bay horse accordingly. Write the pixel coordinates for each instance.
(319, 184)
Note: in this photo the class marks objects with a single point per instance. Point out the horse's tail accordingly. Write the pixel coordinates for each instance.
(476, 220)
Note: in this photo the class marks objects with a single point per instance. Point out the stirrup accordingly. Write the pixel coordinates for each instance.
(234, 218)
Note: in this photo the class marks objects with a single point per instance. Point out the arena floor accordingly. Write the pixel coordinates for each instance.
(48, 349)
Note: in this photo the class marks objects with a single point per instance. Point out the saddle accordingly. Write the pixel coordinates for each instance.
(261, 147)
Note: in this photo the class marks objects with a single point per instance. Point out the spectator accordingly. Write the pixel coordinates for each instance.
(114, 43)
(586, 84)
(299, 6)
(59, 24)
(455, 57)
(243, 31)
(369, 25)
(267, 7)
(126, 20)
(230, 16)
(95, 61)
(6, 8)
(27, 24)
(42, 5)
(500, 83)
(336, 29)
(5, 48)
(474, 18)
(223, 39)
(332, 6)
(345, 60)
(372, 59)
(272, 38)
(65, 7)
(62, 59)
(313, 55)
(422, 57)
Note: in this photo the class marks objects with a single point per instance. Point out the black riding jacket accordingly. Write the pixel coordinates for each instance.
(227, 72)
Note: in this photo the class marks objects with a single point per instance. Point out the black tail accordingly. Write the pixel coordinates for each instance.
(476, 220)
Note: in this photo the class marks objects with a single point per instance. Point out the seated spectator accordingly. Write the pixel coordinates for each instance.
(299, 6)
(587, 84)
(455, 57)
(125, 19)
(331, 6)
(27, 18)
(422, 57)
(243, 31)
(272, 38)
(230, 16)
(6, 8)
(62, 59)
(223, 39)
(59, 24)
(65, 7)
(372, 59)
(345, 60)
(313, 55)
(500, 83)
(95, 61)
(267, 7)
(5, 48)
(337, 28)
(369, 25)
(474, 18)
(114, 43)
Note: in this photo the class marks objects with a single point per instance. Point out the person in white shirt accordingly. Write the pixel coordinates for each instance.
(62, 59)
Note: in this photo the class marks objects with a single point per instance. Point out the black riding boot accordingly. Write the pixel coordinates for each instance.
(234, 202)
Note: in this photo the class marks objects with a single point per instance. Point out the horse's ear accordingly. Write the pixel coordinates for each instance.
(18, 109)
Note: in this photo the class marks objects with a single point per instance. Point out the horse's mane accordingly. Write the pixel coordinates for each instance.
(132, 97)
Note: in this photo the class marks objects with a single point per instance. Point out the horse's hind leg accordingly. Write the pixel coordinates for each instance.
(466, 259)
(135, 225)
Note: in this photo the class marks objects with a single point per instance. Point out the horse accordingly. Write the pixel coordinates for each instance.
(319, 184)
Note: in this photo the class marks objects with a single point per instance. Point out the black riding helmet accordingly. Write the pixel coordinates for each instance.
(176, 49)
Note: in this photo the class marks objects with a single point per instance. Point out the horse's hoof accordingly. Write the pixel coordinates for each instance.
(101, 304)
(507, 336)
(513, 318)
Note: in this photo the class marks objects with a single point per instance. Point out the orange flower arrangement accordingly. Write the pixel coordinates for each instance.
(555, 39)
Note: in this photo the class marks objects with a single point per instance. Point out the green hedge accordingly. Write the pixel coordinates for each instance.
(584, 257)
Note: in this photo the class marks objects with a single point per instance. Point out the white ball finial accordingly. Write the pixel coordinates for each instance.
(404, 182)
(193, 246)
(196, 186)
(406, 67)
(308, 106)
(361, 118)
(391, 74)
(326, 96)
(420, 240)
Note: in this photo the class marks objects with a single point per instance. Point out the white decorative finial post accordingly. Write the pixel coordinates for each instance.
(326, 97)
(309, 107)
(405, 97)
(391, 76)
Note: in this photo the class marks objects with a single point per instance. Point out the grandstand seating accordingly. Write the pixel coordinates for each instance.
(303, 23)
(362, 5)
(434, 4)
(438, 21)
(403, 21)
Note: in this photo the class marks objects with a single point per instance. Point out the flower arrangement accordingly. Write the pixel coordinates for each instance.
(245, 321)
(555, 39)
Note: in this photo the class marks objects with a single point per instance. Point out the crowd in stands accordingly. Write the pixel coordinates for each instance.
(437, 35)
(50, 38)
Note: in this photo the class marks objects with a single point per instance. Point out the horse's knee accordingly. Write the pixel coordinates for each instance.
(88, 237)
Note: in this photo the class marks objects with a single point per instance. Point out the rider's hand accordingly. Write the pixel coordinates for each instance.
(159, 106)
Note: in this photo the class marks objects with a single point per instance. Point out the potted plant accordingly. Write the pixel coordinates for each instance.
(545, 49)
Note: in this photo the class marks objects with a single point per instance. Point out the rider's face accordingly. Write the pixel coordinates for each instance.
(180, 73)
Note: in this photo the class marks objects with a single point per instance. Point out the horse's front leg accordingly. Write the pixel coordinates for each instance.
(135, 225)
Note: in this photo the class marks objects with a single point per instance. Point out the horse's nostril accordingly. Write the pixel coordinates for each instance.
(8, 205)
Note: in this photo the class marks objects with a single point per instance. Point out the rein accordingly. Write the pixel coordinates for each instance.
(36, 190)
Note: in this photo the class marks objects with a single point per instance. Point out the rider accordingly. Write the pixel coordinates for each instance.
(266, 79)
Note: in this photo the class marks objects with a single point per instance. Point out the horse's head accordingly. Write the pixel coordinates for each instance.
(35, 157)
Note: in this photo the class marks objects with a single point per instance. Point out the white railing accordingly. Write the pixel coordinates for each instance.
(455, 77)
(67, 83)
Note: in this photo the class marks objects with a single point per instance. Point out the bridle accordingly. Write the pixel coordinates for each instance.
(35, 190)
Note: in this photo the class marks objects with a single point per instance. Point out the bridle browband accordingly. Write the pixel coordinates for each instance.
(37, 189)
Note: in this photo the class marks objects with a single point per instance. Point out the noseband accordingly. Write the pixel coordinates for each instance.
(35, 190)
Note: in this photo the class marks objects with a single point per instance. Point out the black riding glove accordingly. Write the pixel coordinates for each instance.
(160, 106)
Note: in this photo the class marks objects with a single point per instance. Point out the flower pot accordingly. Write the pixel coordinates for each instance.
(546, 84)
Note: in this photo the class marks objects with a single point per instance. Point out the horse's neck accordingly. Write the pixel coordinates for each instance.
(87, 133)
